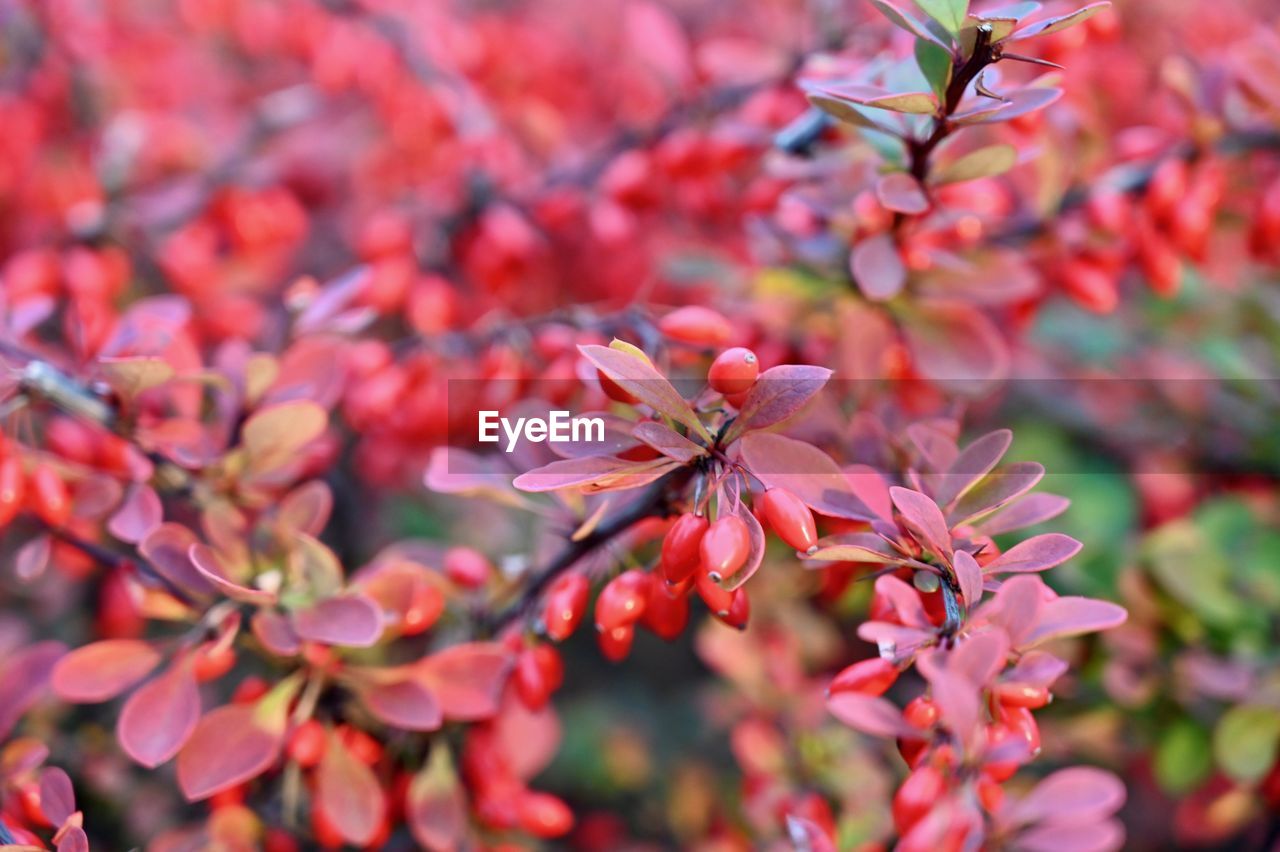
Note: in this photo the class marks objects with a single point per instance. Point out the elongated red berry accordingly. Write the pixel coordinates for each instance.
(790, 518)
(307, 744)
(615, 644)
(739, 610)
(868, 677)
(725, 547)
(667, 612)
(1022, 695)
(681, 554)
(543, 815)
(734, 371)
(13, 487)
(531, 683)
(717, 598)
(49, 496)
(921, 712)
(916, 796)
(696, 325)
(467, 567)
(566, 604)
(622, 601)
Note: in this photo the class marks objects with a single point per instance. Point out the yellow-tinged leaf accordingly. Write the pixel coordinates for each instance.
(984, 162)
(273, 436)
(630, 349)
(131, 376)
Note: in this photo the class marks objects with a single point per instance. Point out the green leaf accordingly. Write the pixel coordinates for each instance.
(915, 103)
(846, 112)
(1246, 740)
(984, 162)
(949, 13)
(1184, 757)
(1193, 571)
(935, 63)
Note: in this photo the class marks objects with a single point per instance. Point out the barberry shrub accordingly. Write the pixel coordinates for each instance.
(266, 265)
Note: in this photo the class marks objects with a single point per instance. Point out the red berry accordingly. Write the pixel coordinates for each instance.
(531, 680)
(681, 554)
(1022, 695)
(615, 391)
(921, 713)
(365, 748)
(13, 487)
(615, 644)
(467, 567)
(1091, 286)
(739, 610)
(307, 744)
(790, 518)
(868, 677)
(249, 690)
(622, 600)
(565, 605)
(916, 796)
(696, 325)
(213, 660)
(725, 547)
(990, 794)
(717, 598)
(667, 611)
(425, 609)
(543, 815)
(734, 371)
(49, 496)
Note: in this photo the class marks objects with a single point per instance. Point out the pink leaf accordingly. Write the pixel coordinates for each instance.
(975, 462)
(657, 38)
(901, 193)
(467, 679)
(160, 716)
(667, 441)
(969, 577)
(25, 674)
(275, 633)
(167, 548)
(980, 656)
(1107, 836)
(307, 507)
(905, 601)
(530, 738)
(1071, 616)
(348, 794)
(804, 470)
(869, 714)
(210, 566)
(1038, 553)
(1029, 511)
(638, 377)
(73, 839)
(996, 489)
(437, 808)
(235, 743)
(923, 517)
(756, 539)
(1060, 22)
(1037, 668)
(102, 670)
(856, 547)
(1019, 103)
(57, 797)
(1015, 607)
(594, 474)
(405, 704)
(1077, 795)
(778, 394)
(33, 558)
(878, 268)
(955, 345)
(958, 701)
(138, 515)
(351, 620)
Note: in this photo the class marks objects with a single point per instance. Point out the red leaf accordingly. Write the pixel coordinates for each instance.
(902, 193)
(57, 796)
(405, 704)
(467, 679)
(138, 515)
(778, 394)
(530, 738)
(639, 378)
(102, 670)
(657, 39)
(1038, 553)
(351, 620)
(956, 346)
(804, 470)
(235, 743)
(160, 716)
(923, 517)
(878, 268)
(437, 808)
(349, 795)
